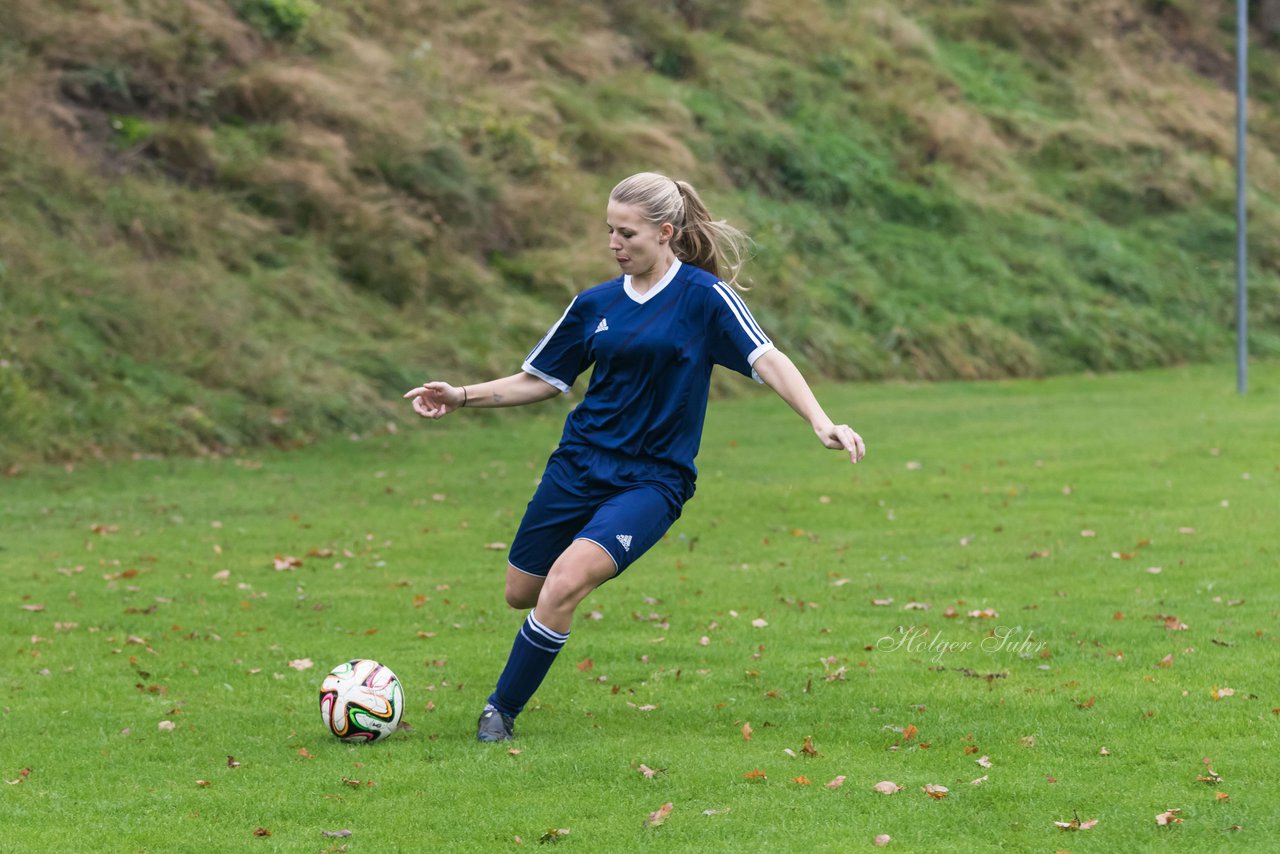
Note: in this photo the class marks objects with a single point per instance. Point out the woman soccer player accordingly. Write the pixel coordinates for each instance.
(624, 467)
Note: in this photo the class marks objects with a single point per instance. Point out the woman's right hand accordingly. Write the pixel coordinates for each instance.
(435, 399)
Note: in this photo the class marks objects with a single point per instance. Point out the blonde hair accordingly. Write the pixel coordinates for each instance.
(713, 245)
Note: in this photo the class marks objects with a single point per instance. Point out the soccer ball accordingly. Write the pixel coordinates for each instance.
(361, 700)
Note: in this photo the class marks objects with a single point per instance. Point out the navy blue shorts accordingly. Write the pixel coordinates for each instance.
(622, 504)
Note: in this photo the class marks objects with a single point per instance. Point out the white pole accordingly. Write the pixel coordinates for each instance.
(1242, 295)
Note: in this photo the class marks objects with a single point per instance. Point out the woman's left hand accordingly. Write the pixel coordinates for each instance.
(841, 437)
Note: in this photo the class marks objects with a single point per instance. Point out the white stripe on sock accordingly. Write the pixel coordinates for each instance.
(545, 634)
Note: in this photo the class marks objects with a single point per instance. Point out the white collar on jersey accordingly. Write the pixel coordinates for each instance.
(643, 298)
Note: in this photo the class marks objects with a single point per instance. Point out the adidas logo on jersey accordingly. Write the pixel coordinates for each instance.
(625, 539)
(602, 326)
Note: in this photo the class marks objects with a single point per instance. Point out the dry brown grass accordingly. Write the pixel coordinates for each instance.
(904, 35)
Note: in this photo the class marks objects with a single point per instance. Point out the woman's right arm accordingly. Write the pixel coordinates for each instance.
(437, 399)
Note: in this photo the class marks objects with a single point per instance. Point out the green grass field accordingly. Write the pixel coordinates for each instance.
(1093, 559)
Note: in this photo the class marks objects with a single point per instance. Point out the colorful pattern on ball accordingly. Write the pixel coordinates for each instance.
(361, 700)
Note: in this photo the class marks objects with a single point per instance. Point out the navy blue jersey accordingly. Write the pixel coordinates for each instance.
(653, 354)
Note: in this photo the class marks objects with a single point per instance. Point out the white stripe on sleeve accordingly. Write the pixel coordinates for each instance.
(733, 295)
(545, 377)
(528, 367)
(739, 309)
(756, 354)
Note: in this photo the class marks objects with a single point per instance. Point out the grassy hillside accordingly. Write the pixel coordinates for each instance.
(242, 221)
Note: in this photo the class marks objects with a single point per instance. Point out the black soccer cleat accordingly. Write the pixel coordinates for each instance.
(495, 726)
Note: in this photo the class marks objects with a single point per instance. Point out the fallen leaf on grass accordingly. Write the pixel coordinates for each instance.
(807, 748)
(231, 762)
(1212, 777)
(984, 761)
(801, 780)
(649, 773)
(202, 783)
(746, 731)
(261, 831)
(166, 726)
(979, 781)
(283, 562)
(937, 792)
(302, 664)
(336, 834)
(658, 816)
(1168, 817)
(837, 782)
(887, 787)
(22, 777)
(586, 664)
(1077, 824)
(882, 839)
(716, 812)
(1219, 693)
(1165, 662)
(304, 753)
(1222, 796)
(760, 623)
(553, 834)
(757, 774)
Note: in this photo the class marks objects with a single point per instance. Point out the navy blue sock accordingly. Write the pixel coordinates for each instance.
(532, 655)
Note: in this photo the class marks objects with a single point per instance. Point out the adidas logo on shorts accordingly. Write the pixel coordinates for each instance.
(625, 539)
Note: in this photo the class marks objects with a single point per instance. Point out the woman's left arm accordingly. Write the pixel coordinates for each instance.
(781, 375)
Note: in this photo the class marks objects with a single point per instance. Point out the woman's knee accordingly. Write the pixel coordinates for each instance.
(582, 568)
(522, 589)
(521, 599)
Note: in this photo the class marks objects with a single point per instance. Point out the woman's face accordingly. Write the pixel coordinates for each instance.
(637, 245)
